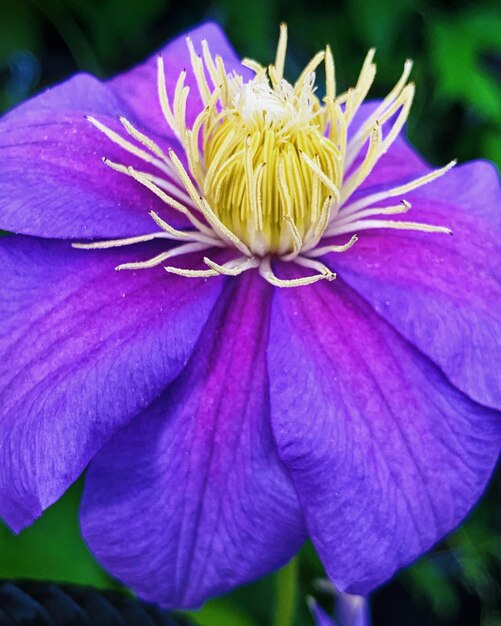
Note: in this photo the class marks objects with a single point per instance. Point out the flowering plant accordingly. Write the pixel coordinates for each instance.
(312, 364)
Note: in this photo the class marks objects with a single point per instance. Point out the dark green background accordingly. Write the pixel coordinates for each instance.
(456, 47)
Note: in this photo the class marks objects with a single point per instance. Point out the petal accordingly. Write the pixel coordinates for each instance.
(83, 349)
(138, 87)
(442, 293)
(53, 182)
(386, 456)
(400, 163)
(216, 507)
(81, 93)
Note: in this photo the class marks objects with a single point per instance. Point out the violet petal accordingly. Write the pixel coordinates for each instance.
(443, 293)
(83, 349)
(217, 507)
(53, 182)
(386, 456)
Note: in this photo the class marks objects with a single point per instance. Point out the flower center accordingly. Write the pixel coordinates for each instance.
(270, 168)
(256, 175)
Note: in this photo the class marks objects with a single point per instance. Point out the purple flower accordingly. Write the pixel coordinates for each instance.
(225, 419)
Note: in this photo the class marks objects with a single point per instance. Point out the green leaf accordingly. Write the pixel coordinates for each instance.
(52, 548)
(259, 36)
(430, 583)
(222, 612)
(458, 48)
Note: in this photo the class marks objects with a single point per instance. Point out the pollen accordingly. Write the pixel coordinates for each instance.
(269, 168)
(258, 160)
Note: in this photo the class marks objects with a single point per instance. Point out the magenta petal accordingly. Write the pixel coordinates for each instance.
(83, 349)
(217, 507)
(138, 87)
(442, 293)
(53, 182)
(386, 456)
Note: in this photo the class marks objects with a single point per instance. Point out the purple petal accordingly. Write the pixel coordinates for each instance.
(82, 94)
(138, 87)
(386, 456)
(442, 293)
(399, 163)
(83, 349)
(53, 182)
(190, 498)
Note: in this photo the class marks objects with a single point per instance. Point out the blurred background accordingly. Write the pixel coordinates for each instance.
(456, 46)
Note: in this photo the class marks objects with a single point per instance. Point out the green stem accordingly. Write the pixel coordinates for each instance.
(286, 594)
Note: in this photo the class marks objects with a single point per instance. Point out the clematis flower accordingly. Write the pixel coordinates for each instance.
(216, 301)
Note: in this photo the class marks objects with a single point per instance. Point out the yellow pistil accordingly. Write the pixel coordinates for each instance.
(267, 165)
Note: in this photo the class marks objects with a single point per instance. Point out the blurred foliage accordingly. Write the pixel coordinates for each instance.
(52, 548)
(456, 45)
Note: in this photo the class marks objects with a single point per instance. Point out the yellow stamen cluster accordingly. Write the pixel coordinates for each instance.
(261, 185)
(267, 165)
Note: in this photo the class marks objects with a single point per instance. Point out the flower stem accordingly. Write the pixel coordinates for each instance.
(286, 594)
(353, 610)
